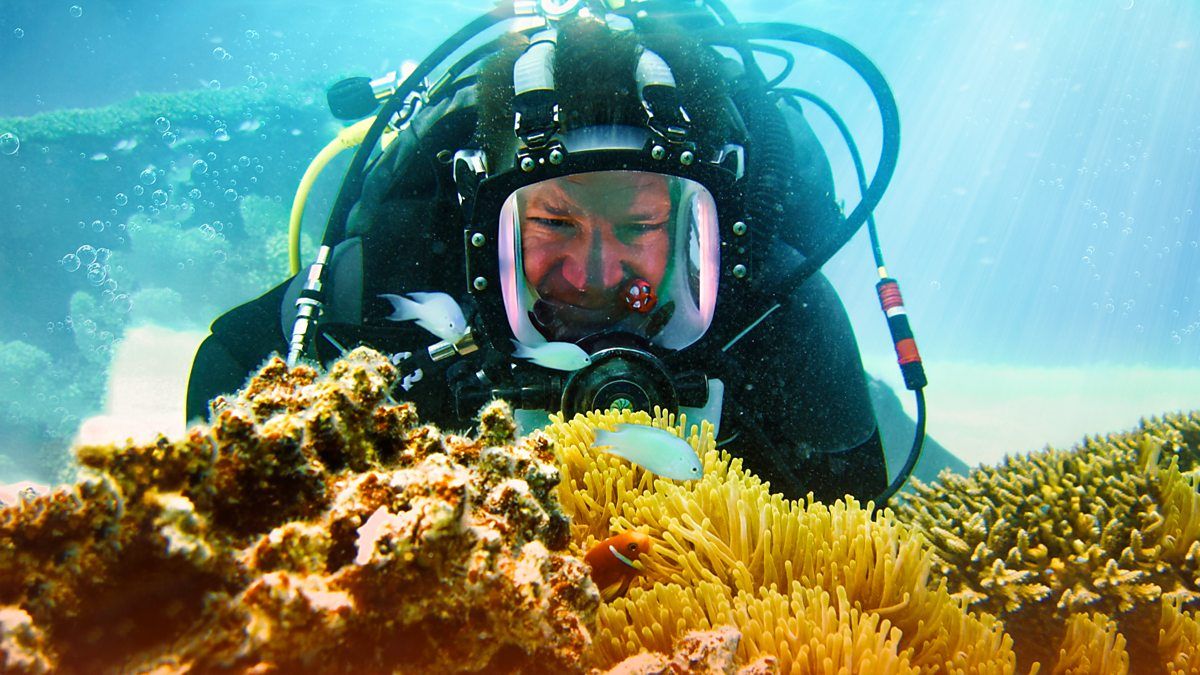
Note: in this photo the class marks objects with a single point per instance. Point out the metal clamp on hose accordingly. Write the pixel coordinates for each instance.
(308, 306)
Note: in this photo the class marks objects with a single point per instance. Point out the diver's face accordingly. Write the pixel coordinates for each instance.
(586, 237)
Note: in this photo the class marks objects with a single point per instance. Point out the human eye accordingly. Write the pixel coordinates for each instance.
(633, 231)
(552, 223)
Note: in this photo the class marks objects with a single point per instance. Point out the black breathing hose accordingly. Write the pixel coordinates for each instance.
(351, 192)
(891, 133)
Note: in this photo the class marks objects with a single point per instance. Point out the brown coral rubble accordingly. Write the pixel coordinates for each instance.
(314, 526)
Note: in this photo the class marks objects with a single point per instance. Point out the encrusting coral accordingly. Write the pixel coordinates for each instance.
(822, 588)
(314, 526)
(1111, 526)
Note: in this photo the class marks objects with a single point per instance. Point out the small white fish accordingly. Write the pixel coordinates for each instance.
(557, 355)
(656, 450)
(437, 313)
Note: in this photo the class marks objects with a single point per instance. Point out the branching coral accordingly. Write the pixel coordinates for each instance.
(1110, 526)
(818, 587)
(314, 526)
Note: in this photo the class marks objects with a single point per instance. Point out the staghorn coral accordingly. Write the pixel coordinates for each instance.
(314, 526)
(820, 588)
(1110, 526)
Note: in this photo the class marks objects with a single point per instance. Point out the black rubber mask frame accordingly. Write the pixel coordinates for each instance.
(483, 196)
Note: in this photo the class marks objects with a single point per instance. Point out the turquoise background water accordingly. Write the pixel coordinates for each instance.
(1042, 219)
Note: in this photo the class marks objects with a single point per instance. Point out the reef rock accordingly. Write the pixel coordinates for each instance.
(316, 525)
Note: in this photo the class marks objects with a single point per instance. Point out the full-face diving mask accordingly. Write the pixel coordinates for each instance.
(616, 236)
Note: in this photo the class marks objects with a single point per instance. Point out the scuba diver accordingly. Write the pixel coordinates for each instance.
(609, 205)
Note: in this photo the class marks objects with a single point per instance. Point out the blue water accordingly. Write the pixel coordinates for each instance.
(1043, 212)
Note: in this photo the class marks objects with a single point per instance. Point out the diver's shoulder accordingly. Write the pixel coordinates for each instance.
(257, 315)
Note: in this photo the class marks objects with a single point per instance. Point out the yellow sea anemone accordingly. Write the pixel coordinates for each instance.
(821, 587)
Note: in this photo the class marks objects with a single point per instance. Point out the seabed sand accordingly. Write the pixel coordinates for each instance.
(981, 412)
(147, 387)
(978, 411)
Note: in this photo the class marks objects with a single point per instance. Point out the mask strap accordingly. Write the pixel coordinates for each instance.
(535, 106)
(660, 99)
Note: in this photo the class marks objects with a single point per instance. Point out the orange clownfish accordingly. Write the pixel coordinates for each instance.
(612, 559)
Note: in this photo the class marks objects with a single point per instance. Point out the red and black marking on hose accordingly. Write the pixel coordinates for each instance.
(907, 355)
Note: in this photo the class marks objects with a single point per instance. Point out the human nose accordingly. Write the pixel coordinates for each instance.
(594, 261)
(604, 261)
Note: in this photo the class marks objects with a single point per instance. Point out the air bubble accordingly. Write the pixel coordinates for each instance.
(70, 262)
(169, 138)
(162, 124)
(148, 176)
(18, 33)
(221, 54)
(86, 254)
(76, 11)
(9, 143)
(159, 198)
(231, 195)
(123, 303)
(97, 226)
(96, 274)
(200, 166)
(122, 199)
(194, 193)
(221, 134)
(139, 191)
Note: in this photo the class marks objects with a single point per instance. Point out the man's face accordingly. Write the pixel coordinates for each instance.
(585, 237)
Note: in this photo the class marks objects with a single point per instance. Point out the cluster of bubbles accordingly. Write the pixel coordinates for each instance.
(163, 125)
(94, 263)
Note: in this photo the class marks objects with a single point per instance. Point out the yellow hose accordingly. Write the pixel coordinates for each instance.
(347, 138)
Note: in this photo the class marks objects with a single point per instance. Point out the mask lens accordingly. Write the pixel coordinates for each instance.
(627, 251)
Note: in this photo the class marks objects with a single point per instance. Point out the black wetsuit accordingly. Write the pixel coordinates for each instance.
(796, 405)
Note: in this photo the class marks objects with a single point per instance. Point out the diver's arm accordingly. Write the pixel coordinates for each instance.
(241, 340)
(215, 371)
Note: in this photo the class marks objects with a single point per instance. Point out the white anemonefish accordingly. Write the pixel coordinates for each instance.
(612, 559)
(656, 450)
